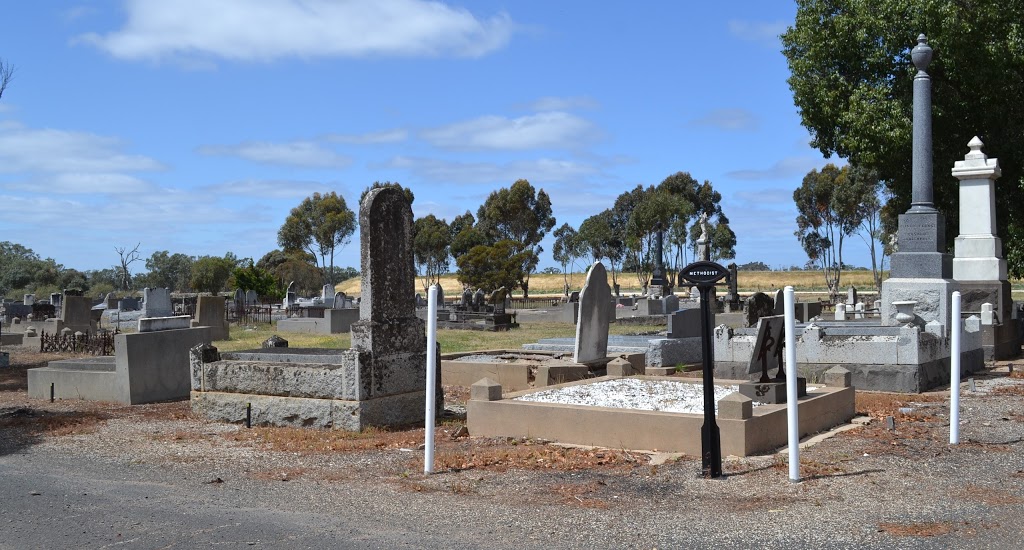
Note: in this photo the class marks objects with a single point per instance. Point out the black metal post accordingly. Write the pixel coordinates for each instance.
(711, 441)
(248, 415)
(51, 392)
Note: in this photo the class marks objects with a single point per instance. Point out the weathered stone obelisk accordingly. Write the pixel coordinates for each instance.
(979, 267)
(921, 270)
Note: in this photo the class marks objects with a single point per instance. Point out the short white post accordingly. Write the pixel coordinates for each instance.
(792, 416)
(428, 444)
(954, 375)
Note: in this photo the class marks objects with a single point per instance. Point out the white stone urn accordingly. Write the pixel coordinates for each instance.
(904, 311)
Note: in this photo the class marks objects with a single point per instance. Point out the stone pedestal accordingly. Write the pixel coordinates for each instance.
(932, 296)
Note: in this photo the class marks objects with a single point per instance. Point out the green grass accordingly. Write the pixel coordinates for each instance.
(451, 340)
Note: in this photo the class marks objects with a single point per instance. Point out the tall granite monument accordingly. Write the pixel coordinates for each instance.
(921, 270)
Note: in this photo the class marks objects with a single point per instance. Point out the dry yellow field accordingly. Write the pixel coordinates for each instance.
(749, 281)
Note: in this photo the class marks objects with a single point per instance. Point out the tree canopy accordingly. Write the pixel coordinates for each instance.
(852, 81)
(522, 216)
(320, 224)
(431, 241)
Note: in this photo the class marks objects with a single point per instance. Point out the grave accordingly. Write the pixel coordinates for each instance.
(334, 321)
(75, 314)
(746, 428)
(156, 302)
(146, 367)
(594, 317)
(978, 265)
(210, 313)
(379, 382)
(518, 369)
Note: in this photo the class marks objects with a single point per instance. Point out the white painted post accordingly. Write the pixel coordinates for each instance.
(792, 416)
(954, 375)
(428, 446)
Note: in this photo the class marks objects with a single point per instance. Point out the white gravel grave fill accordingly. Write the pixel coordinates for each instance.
(631, 393)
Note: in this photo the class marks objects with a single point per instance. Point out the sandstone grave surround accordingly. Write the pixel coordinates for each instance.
(379, 382)
(518, 369)
(745, 430)
(146, 367)
(907, 359)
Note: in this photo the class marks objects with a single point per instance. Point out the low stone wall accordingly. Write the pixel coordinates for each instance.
(334, 321)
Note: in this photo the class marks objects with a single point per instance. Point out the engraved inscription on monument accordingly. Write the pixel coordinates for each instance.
(919, 233)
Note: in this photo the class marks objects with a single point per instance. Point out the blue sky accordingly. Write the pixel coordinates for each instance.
(195, 126)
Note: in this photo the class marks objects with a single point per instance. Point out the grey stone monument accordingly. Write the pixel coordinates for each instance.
(659, 285)
(156, 302)
(703, 249)
(921, 270)
(594, 317)
(979, 267)
(390, 339)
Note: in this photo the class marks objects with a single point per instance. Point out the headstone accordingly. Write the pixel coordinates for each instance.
(840, 312)
(671, 303)
(467, 298)
(694, 293)
(55, 299)
(29, 299)
(779, 304)
(594, 316)
(685, 323)
(574, 296)
(76, 312)
(478, 300)
(251, 298)
(440, 296)
(759, 305)
(239, 298)
(497, 299)
(766, 359)
(327, 295)
(210, 313)
(986, 314)
(851, 295)
(858, 311)
(340, 300)
(156, 302)
(390, 339)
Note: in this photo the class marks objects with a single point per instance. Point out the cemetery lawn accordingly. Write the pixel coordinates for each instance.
(451, 340)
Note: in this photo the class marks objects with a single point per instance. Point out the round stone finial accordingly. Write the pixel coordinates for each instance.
(922, 53)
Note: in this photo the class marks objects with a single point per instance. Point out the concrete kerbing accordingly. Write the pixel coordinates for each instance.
(818, 438)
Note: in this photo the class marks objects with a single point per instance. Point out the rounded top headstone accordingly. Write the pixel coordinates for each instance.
(922, 53)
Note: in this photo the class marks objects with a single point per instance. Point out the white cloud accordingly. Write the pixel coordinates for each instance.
(548, 130)
(536, 171)
(261, 189)
(765, 33)
(295, 153)
(397, 135)
(728, 119)
(54, 151)
(551, 103)
(794, 168)
(265, 30)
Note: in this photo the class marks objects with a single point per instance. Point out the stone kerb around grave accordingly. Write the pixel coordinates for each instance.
(594, 316)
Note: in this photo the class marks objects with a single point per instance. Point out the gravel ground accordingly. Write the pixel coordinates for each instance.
(81, 474)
